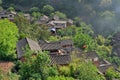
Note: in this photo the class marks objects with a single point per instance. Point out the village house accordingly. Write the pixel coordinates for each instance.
(67, 45)
(59, 51)
(57, 24)
(52, 47)
(60, 59)
(9, 15)
(62, 45)
(69, 22)
(43, 20)
(101, 64)
(23, 43)
(92, 56)
(55, 18)
(104, 65)
(57, 54)
(27, 16)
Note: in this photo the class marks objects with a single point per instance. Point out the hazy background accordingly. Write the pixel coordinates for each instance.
(103, 15)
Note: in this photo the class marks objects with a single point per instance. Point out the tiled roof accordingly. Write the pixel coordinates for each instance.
(91, 55)
(102, 61)
(58, 22)
(55, 45)
(51, 46)
(26, 15)
(104, 67)
(22, 44)
(44, 18)
(66, 42)
(69, 21)
(59, 59)
(33, 45)
(6, 66)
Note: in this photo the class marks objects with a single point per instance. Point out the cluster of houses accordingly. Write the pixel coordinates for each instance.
(8, 15)
(54, 23)
(59, 51)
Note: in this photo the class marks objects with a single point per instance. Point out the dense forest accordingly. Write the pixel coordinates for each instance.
(95, 28)
(101, 14)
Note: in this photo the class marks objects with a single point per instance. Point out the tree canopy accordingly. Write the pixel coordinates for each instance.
(8, 38)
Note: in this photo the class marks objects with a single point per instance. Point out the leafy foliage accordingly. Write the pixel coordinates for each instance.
(23, 25)
(87, 71)
(112, 74)
(39, 32)
(47, 9)
(34, 67)
(60, 78)
(84, 41)
(63, 70)
(69, 31)
(53, 71)
(9, 76)
(8, 39)
(60, 15)
(103, 17)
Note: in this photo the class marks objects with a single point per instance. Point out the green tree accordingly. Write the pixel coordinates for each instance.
(11, 9)
(54, 38)
(115, 60)
(60, 15)
(39, 32)
(41, 65)
(23, 25)
(85, 29)
(87, 71)
(53, 71)
(8, 38)
(60, 78)
(34, 67)
(47, 9)
(103, 51)
(77, 21)
(84, 41)
(68, 31)
(100, 40)
(9, 76)
(112, 74)
(83, 69)
(36, 15)
(64, 70)
(34, 9)
(25, 70)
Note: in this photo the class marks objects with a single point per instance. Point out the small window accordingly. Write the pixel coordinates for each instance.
(10, 15)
